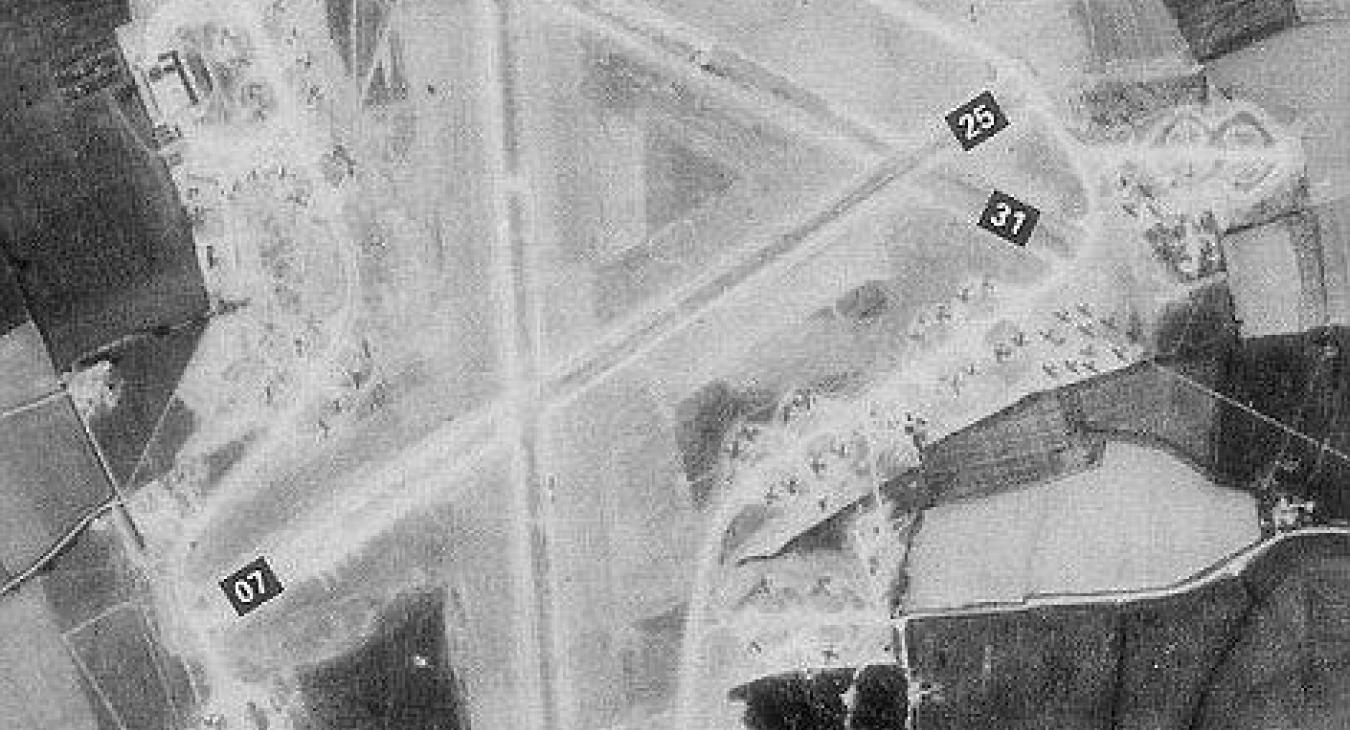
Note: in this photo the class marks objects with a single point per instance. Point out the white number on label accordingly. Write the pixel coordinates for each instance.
(985, 116)
(977, 119)
(243, 590)
(1000, 217)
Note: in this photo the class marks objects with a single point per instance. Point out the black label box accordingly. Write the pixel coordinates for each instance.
(976, 120)
(1009, 218)
(251, 586)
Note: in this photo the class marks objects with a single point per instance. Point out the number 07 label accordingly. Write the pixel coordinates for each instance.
(976, 120)
(1009, 218)
(251, 586)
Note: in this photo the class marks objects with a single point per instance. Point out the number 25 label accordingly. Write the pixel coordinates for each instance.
(976, 120)
(251, 586)
(1009, 218)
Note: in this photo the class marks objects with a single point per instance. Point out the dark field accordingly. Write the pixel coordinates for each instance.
(147, 370)
(401, 677)
(89, 220)
(814, 700)
(1301, 381)
(1215, 27)
(1034, 440)
(144, 688)
(1149, 403)
(13, 310)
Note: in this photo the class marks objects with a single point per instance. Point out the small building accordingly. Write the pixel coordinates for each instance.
(172, 83)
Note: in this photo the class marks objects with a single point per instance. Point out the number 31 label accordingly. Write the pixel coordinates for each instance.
(976, 120)
(251, 586)
(1009, 218)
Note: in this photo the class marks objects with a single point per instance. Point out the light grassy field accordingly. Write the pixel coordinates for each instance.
(27, 368)
(1142, 519)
